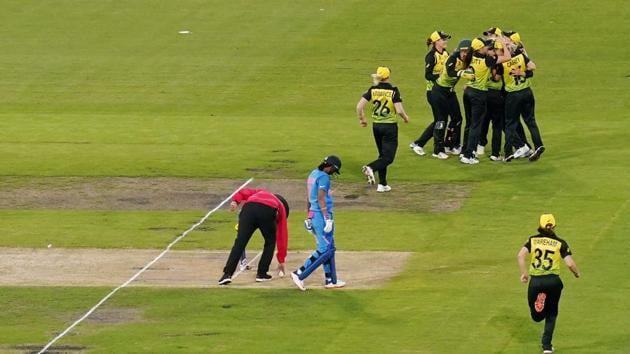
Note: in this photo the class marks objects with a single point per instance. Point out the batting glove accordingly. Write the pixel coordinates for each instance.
(329, 226)
(308, 225)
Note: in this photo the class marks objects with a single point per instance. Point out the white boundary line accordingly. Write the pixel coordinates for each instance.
(168, 248)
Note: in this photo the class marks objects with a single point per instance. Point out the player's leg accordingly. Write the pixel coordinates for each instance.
(268, 230)
(453, 135)
(440, 101)
(535, 298)
(247, 224)
(478, 109)
(427, 133)
(321, 254)
(467, 115)
(553, 289)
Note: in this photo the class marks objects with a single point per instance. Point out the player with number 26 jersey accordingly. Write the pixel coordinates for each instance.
(382, 97)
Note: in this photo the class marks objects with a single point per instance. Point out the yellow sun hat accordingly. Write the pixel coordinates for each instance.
(547, 219)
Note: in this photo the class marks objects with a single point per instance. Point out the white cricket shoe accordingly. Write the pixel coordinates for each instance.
(440, 155)
(337, 285)
(381, 188)
(496, 158)
(367, 171)
(297, 281)
(456, 151)
(549, 351)
(480, 150)
(412, 145)
(521, 152)
(418, 150)
(468, 161)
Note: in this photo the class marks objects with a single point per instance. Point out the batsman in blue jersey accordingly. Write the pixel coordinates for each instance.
(321, 224)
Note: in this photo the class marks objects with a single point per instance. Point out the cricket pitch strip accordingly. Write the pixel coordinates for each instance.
(180, 269)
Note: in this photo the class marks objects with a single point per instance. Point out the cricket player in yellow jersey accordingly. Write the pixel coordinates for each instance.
(445, 100)
(539, 262)
(433, 65)
(476, 94)
(386, 106)
(519, 101)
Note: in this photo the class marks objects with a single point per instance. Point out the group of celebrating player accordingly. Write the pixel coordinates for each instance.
(496, 71)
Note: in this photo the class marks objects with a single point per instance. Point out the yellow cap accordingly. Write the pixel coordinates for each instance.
(382, 72)
(516, 38)
(437, 35)
(547, 219)
(498, 45)
(477, 44)
(493, 30)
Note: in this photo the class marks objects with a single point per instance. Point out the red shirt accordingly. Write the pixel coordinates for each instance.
(261, 196)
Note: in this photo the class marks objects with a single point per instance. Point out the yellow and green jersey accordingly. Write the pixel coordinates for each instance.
(516, 83)
(546, 253)
(481, 64)
(383, 96)
(433, 65)
(448, 77)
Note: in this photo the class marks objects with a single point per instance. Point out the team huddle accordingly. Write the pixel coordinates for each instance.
(496, 72)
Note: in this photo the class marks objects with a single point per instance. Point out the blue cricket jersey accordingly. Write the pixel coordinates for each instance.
(319, 180)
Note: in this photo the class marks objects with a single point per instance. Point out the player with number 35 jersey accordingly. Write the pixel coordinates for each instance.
(540, 259)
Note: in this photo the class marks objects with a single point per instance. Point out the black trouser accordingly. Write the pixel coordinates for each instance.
(386, 139)
(552, 286)
(254, 216)
(427, 134)
(521, 103)
(475, 107)
(446, 104)
(496, 116)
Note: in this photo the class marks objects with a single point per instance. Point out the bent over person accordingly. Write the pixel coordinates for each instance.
(386, 104)
(320, 223)
(267, 212)
(544, 252)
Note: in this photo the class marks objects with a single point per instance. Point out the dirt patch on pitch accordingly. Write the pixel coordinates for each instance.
(180, 269)
(170, 193)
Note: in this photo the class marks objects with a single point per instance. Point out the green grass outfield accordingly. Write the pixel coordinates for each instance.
(110, 88)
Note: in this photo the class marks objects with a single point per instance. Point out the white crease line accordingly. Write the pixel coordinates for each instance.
(248, 264)
(168, 248)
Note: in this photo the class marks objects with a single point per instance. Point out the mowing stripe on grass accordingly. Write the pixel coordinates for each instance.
(168, 248)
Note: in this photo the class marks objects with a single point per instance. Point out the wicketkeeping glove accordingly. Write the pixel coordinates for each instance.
(329, 225)
(466, 74)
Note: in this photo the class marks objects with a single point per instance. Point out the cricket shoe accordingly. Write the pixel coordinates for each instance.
(381, 188)
(417, 149)
(440, 155)
(520, 152)
(536, 154)
(539, 305)
(225, 280)
(480, 150)
(496, 158)
(456, 150)
(263, 277)
(548, 350)
(243, 265)
(468, 161)
(296, 279)
(337, 285)
(367, 171)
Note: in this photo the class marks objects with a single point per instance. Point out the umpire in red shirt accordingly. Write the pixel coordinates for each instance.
(267, 212)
